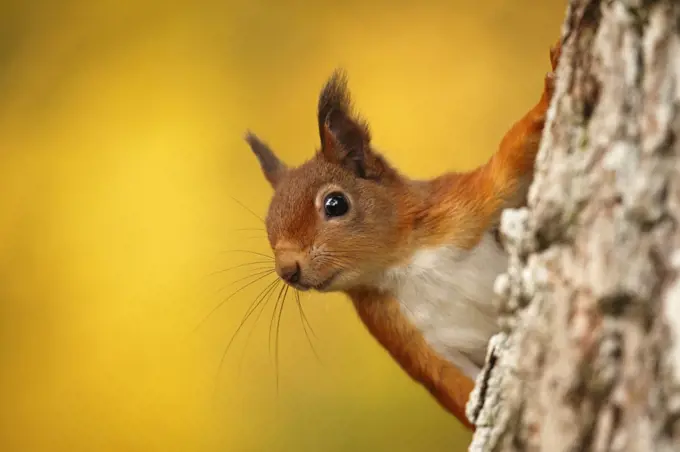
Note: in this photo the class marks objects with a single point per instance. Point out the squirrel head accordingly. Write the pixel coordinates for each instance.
(333, 222)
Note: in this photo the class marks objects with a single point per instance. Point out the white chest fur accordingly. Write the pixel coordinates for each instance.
(448, 295)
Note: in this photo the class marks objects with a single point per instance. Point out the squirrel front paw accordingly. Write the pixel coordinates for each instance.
(555, 52)
(549, 88)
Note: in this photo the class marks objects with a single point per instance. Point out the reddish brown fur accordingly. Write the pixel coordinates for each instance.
(390, 218)
(384, 320)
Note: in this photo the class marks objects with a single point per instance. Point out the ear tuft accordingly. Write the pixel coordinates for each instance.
(334, 97)
(272, 168)
(345, 137)
(335, 101)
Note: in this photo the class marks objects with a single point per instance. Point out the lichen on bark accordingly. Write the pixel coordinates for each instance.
(589, 358)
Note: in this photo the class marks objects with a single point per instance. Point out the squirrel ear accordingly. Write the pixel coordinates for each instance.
(345, 139)
(272, 168)
(345, 144)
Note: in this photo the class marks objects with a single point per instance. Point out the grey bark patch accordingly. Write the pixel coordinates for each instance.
(589, 358)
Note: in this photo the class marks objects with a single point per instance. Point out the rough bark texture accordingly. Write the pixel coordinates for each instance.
(590, 356)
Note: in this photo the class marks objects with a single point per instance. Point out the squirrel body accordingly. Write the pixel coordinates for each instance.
(418, 258)
(441, 284)
(416, 311)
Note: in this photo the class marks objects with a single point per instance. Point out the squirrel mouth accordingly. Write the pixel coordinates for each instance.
(321, 287)
(324, 285)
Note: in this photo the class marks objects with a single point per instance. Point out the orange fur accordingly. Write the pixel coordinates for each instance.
(461, 207)
(464, 205)
(390, 220)
(383, 319)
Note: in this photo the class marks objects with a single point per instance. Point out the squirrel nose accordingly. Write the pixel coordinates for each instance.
(290, 272)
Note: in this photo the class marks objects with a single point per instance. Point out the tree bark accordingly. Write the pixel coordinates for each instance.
(589, 359)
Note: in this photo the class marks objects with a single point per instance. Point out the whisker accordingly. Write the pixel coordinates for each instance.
(224, 270)
(258, 272)
(303, 317)
(251, 309)
(250, 252)
(271, 322)
(278, 340)
(262, 305)
(258, 300)
(343, 252)
(333, 256)
(229, 297)
(247, 208)
(279, 301)
(305, 325)
(202, 279)
(254, 237)
(339, 264)
(333, 259)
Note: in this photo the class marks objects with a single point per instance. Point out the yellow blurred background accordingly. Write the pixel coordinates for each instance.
(121, 148)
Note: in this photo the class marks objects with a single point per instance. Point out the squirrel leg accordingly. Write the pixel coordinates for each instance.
(474, 200)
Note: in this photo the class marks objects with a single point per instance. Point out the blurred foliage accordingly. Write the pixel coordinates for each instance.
(121, 151)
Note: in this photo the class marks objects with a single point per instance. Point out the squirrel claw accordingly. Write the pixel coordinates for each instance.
(555, 52)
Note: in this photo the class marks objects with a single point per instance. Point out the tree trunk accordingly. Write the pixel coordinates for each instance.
(589, 359)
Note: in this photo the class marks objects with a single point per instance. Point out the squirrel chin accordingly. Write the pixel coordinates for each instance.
(324, 286)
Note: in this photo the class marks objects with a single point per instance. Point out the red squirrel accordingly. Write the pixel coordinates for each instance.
(418, 258)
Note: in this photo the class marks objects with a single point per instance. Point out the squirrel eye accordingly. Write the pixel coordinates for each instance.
(335, 205)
